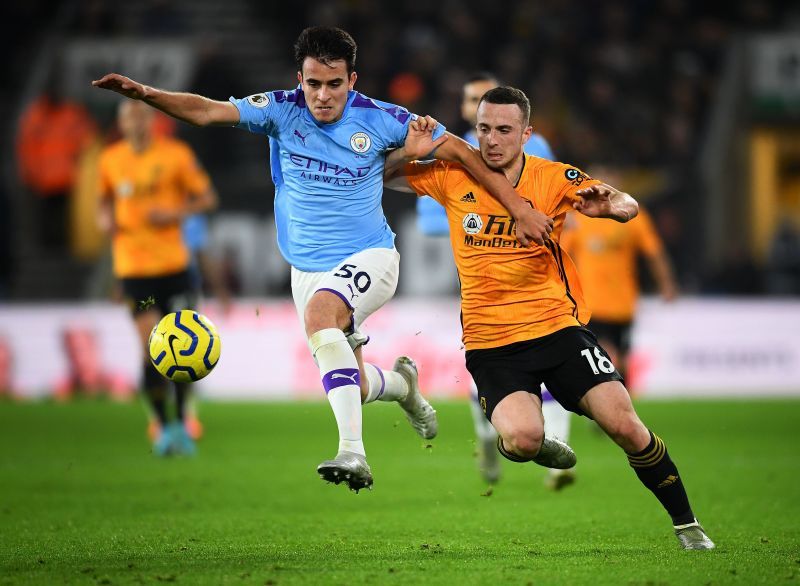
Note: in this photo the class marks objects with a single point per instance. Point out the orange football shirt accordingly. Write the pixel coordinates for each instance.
(605, 253)
(164, 176)
(508, 293)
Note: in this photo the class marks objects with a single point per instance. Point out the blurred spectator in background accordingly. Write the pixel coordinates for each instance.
(53, 131)
(606, 254)
(148, 186)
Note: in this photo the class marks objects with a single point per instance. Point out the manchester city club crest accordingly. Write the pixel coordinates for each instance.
(360, 142)
(472, 223)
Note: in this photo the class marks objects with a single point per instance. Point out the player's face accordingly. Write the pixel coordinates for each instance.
(325, 88)
(501, 134)
(473, 92)
(135, 120)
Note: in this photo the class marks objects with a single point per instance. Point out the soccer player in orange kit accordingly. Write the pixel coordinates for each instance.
(522, 308)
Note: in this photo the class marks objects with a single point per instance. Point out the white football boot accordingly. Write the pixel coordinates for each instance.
(418, 411)
(347, 467)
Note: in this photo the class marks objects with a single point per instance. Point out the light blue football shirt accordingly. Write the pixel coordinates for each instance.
(328, 177)
(431, 216)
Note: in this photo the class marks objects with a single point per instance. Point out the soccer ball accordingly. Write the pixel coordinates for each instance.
(184, 346)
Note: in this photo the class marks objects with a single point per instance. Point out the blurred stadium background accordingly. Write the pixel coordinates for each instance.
(695, 107)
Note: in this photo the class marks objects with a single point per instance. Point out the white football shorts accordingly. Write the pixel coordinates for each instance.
(364, 281)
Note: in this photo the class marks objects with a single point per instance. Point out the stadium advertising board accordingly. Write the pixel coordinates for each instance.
(694, 347)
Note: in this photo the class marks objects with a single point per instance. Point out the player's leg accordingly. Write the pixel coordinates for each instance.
(520, 427)
(587, 382)
(400, 385)
(486, 440)
(325, 316)
(140, 295)
(614, 338)
(556, 425)
(610, 405)
(332, 304)
(181, 294)
(156, 387)
(366, 281)
(508, 389)
(608, 336)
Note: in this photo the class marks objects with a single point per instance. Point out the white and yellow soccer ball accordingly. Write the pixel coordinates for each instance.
(184, 346)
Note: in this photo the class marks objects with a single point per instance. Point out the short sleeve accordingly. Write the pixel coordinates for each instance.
(427, 178)
(647, 238)
(193, 177)
(395, 124)
(560, 182)
(259, 113)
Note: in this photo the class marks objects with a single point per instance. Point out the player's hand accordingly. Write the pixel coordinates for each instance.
(122, 85)
(533, 227)
(669, 292)
(106, 223)
(419, 140)
(599, 201)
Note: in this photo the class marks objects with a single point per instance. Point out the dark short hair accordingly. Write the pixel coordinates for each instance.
(482, 76)
(509, 95)
(325, 44)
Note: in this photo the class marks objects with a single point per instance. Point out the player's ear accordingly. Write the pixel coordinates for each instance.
(300, 78)
(352, 81)
(526, 134)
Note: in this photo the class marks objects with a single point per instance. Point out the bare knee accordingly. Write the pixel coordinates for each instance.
(326, 310)
(524, 442)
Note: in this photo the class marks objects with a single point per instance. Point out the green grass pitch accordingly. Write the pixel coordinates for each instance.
(82, 501)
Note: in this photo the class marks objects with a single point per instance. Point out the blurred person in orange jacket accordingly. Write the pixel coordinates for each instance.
(53, 132)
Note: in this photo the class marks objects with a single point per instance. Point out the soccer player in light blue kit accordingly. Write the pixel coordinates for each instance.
(328, 148)
(432, 221)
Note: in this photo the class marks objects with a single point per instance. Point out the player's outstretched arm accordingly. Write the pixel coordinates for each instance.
(604, 201)
(191, 108)
(532, 225)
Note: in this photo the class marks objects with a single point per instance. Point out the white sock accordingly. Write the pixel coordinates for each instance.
(483, 428)
(556, 418)
(341, 381)
(384, 385)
